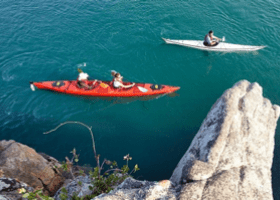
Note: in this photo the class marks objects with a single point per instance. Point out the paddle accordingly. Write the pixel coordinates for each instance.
(223, 39)
(220, 40)
(142, 89)
(32, 87)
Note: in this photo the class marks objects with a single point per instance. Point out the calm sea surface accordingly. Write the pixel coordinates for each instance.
(48, 40)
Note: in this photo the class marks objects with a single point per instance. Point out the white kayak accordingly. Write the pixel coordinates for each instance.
(222, 46)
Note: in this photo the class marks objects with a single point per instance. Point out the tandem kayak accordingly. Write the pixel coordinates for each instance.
(222, 46)
(104, 88)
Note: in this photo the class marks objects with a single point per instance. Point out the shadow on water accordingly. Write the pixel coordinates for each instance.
(206, 53)
(125, 100)
(59, 143)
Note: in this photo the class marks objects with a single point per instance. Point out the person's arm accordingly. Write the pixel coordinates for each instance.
(93, 83)
(216, 38)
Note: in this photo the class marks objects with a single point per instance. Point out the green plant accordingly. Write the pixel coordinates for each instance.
(104, 183)
(101, 183)
(64, 194)
(38, 194)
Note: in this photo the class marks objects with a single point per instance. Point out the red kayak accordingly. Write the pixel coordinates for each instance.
(104, 88)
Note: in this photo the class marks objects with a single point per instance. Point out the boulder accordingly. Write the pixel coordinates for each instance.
(3, 197)
(73, 187)
(10, 184)
(9, 188)
(231, 155)
(132, 189)
(23, 163)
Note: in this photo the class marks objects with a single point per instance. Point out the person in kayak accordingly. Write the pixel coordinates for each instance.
(208, 39)
(117, 81)
(82, 78)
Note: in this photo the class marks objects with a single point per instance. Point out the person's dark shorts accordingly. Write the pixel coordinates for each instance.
(79, 83)
(209, 45)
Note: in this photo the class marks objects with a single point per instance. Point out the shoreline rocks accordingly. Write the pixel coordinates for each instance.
(21, 162)
(232, 153)
(132, 189)
(9, 187)
(74, 187)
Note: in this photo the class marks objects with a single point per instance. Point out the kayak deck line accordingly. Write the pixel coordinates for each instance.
(103, 88)
(223, 47)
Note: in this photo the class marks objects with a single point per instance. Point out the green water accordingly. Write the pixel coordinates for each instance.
(48, 40)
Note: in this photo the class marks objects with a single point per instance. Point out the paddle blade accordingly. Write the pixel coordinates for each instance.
(32, 87)
(142, 89)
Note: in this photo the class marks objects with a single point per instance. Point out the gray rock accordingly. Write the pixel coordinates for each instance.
(73, 187)
(12, 196)
(10, 184)
(130, 183)
(3, 198)
(192, 190)
(132, 189)
(9, 187)
(231, 155)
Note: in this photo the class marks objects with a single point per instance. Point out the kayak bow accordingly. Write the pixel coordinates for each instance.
(104, 88)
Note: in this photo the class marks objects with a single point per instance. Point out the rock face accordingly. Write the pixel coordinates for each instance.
(23, 163)
(73, 187)
(10, 184)
(9, 187)
(132, 189)
(231, 155)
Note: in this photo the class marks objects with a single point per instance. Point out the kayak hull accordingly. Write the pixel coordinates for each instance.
(104, 89)
(222, 46)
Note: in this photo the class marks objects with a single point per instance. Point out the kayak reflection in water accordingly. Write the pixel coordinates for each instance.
(117, 81)
(209, 39)
(82, 78)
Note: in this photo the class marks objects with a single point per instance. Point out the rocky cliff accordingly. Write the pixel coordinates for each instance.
(231, 155)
